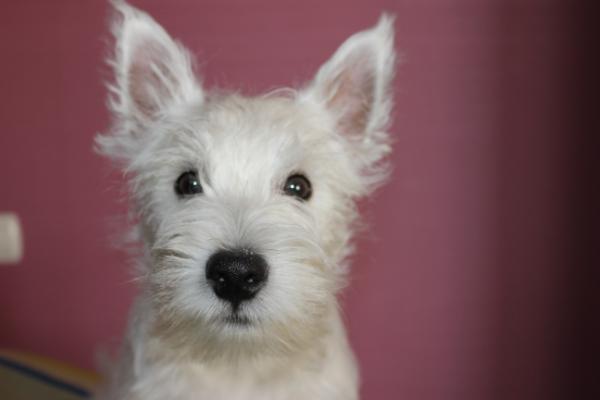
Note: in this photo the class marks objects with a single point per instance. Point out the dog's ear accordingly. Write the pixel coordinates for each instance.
(152, 76)
(355, 88)
(153, 72)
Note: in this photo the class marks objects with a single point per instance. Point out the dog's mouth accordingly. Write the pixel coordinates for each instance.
(237, 320)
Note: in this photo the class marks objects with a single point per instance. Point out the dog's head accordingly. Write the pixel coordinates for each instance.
(245, 205)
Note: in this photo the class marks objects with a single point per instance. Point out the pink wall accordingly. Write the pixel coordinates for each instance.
(460, 287)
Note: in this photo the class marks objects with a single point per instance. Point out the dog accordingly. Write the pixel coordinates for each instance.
(244, 209)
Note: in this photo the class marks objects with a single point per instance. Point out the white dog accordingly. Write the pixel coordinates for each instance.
(244, 209)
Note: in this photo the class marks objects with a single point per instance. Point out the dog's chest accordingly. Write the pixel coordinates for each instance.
(198, 383)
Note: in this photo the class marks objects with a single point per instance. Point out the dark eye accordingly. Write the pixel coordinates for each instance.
(298, 186)
(188, 184)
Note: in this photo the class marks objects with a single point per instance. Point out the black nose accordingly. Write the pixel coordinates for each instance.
(236, 275)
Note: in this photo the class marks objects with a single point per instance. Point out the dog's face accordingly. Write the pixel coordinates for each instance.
(246, 204)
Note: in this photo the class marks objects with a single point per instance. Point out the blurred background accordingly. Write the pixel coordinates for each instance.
(476, 277)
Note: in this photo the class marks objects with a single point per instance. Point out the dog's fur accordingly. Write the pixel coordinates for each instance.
(180, 343)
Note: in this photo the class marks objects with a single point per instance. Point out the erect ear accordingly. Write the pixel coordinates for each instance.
(153, 73)
(354, 87)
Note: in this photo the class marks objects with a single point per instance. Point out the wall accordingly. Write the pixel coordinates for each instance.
(461, 286)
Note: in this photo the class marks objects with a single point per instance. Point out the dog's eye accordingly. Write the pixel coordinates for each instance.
(298, 186)
(188, 184)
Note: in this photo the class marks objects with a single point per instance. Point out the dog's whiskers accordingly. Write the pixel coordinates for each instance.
(170, 253)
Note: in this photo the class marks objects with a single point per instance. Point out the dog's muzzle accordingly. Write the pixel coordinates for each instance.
(236, 275)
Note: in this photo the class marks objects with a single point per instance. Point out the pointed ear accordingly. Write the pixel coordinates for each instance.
(355, 87)
(153, 73)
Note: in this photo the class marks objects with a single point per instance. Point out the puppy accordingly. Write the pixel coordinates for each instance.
(244, 209)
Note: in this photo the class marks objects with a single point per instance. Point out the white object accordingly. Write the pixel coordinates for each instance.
(190, 335)
(11, 239)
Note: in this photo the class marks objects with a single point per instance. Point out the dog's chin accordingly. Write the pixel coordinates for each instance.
(234, 336)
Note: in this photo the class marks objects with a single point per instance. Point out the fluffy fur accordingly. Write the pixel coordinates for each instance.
(180, 344)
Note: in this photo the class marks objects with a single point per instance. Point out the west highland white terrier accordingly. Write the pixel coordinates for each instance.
(244, 208)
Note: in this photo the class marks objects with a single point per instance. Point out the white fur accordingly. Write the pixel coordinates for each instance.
(334, 131)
